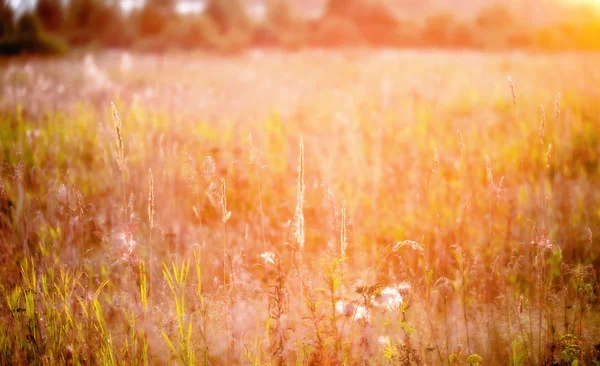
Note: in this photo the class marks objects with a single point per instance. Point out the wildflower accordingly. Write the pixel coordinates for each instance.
(373, 290)
(360, 312)
(357, 312)
(62, 195)
(269, 257)
(95, 76)
(384, 340)
(69, 354)
(128, 242)
(390, 298)
(343, 308)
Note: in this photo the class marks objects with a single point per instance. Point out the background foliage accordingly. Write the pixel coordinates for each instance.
(227, 26)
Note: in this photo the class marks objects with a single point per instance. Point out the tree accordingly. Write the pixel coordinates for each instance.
(336, 31)
(494, 25)
(155, 17)
(79, 13)
(95, 21)
(198, 31)
(28, 26)
(151, 21)
(462, 36)
(337, 7)
(29, 37)
(6, 19)
(110, 28)
(228, 15)
(279, 14)
(438, 29)
(374, 19)
(374, 12)
(495, 17)
(167, 6)
(51, 13)
(281, 27)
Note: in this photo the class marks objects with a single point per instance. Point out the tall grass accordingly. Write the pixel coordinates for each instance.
(503, 268)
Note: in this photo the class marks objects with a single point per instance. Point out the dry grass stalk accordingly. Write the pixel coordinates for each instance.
(118, 128)
(557, 106)
(500, 187)
(343, 237)
(299, 215)
(436, 160)
(488, 168)
(151, 199)
(226, 214)
(333, 210)
(512, 90)
(548, 155)
(299, 219)
(542, 124)
(411, 243)
(461, 142)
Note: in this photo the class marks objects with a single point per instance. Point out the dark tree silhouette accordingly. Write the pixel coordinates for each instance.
(51, 14)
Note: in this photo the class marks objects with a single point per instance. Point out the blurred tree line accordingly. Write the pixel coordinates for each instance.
(226, 26)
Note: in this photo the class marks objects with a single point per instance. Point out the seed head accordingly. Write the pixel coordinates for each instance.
(521, 304)
(488, 168)
(268, 257)
(512, 91)
(557, 106)
(69, 354)
(461, 143)
(411, 243)
(121, 154)
(209, 167)
(500, 187)
(226, 214)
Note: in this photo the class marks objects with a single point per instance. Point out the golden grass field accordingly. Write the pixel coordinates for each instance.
(312, 208)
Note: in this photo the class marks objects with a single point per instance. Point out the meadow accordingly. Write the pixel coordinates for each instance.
(345, 207)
